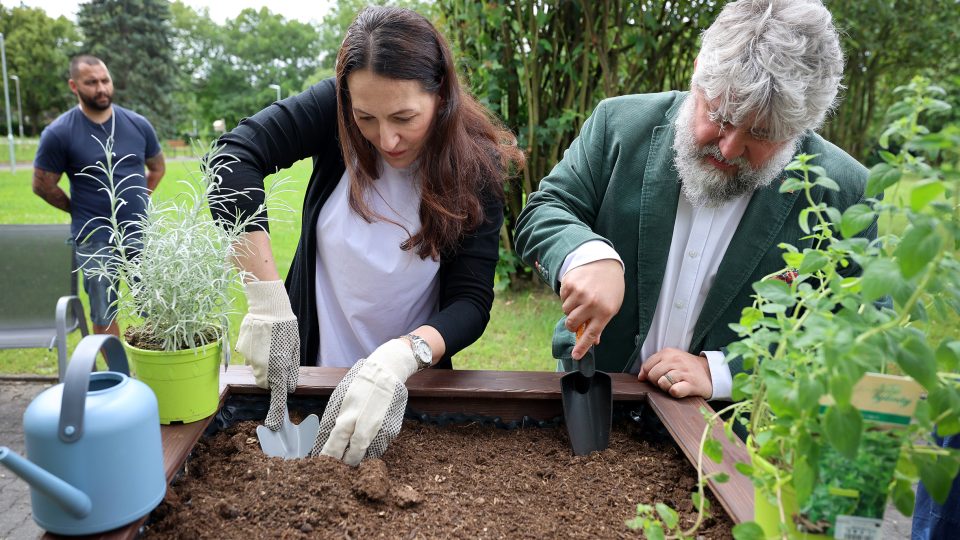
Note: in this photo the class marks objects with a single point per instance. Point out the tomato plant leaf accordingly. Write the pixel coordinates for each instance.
(775, 291)
(882, 176)
(749, 530)
(948, 356)
(920, 244)
(668, 515)
(924, 192)
(856, 219)
(879, 279)
(917, 360)
(812, 261)
(843, 426)
(903, 496)
(713, 450)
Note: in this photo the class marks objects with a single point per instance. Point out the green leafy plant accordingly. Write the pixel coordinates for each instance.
(806, 342)
(173, 264)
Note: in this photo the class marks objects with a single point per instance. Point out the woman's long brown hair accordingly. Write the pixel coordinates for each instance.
(467, 152)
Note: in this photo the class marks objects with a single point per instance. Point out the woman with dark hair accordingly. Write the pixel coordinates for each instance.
(394, 268)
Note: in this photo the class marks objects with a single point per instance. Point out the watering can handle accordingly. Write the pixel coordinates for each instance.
(77, 381)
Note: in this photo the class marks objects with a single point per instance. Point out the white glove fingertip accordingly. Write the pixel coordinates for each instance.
(354, 456)
(336, 444)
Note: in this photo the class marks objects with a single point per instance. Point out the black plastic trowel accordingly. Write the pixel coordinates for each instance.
(587, 404)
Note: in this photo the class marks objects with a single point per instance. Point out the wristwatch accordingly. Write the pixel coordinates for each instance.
(422, 352)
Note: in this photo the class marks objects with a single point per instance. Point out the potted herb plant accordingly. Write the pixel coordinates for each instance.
(827, 426)
(175, 284)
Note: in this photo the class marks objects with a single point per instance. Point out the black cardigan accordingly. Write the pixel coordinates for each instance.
(306, 126)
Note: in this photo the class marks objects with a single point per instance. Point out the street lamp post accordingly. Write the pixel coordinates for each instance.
(277, 88)
(16, 81)
(6, 98)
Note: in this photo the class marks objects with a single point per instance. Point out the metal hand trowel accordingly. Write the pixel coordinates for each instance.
(587, 404)
(291, 441)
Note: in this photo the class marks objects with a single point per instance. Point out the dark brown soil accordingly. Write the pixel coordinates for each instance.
(466, 481)
(140, 338)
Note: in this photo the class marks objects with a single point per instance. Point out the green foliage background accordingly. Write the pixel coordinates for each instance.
(133, 38)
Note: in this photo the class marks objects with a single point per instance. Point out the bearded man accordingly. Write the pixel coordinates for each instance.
(73, 144)
(666, 208)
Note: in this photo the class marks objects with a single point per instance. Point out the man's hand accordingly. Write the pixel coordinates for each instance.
(269, 340)
(679, 373)
(365, 412)
(591, 294)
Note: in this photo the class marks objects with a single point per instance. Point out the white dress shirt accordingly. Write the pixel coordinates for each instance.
(700, 239)
(368, 289)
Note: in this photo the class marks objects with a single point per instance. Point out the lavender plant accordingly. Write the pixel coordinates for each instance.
(172, 265)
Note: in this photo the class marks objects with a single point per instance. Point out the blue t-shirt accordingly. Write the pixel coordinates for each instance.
(70, 144)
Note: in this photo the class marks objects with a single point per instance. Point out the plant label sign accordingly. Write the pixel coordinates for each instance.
(851, 494)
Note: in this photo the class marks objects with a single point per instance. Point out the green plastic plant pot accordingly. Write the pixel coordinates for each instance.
(767, 515)
(187, 382)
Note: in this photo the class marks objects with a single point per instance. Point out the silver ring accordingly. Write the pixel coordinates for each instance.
(669, 379)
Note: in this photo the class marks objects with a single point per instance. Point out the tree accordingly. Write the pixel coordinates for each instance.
(36, 47)
(228, 68)
(133, 39)
(336, 21)
(198, 45)
(542, 66)
(885, 41)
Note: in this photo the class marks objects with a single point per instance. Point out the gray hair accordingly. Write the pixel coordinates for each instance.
(777, 59)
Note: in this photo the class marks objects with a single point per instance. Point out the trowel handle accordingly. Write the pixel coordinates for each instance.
(588, 364)
(77, 381)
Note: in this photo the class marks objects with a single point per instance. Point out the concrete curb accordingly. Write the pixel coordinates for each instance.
(28, 377)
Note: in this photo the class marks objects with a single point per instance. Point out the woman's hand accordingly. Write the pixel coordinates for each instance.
(365, 412)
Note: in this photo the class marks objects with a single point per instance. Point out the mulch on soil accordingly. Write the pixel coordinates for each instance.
(461, 481)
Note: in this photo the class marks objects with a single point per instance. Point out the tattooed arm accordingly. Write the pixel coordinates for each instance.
(45, 185)
(156, 168)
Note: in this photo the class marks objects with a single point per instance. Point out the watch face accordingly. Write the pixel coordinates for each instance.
(422, 351)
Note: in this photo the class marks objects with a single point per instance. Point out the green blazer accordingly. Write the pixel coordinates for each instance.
(616, 183)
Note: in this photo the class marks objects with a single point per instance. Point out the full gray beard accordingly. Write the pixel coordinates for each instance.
(705, 185)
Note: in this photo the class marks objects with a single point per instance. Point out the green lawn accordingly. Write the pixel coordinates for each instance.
(517, 338)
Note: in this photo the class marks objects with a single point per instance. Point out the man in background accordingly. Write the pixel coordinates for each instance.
(73, 144)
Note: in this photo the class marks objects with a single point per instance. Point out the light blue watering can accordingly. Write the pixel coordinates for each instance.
(93, 443)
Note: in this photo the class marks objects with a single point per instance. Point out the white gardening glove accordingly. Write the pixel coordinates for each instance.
(365, 412)
(270, 341)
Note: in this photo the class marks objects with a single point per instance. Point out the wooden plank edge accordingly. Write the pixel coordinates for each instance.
(446, 383)
(684, 421)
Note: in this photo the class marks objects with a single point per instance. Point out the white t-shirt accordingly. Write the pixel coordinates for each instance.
(368, 289)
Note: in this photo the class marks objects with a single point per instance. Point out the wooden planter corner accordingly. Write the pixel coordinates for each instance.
(510, 395)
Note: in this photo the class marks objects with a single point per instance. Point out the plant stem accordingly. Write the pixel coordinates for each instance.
(700, 481)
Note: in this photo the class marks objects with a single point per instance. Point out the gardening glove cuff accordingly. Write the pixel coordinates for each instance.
(396, 357)
(365, 412)
(269, 336)
(268, 300)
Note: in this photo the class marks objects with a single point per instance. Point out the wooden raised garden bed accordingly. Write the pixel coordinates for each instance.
(511, 397)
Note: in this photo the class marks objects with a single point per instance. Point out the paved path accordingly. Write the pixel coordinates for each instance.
(16, 522)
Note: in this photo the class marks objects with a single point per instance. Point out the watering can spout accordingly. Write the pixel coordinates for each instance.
(74, 501)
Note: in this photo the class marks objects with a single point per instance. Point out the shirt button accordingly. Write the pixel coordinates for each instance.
(693, 253)
(679, 304)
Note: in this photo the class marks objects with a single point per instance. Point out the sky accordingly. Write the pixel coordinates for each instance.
(220, 10)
